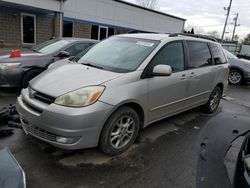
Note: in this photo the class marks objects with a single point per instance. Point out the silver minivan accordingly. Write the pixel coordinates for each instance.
(120, 86)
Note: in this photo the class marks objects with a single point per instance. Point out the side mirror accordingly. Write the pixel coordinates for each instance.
(63, 54)
(162, 70)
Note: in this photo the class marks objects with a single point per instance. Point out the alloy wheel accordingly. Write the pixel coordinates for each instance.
(235, 77)
(122, 132)
(215, 99)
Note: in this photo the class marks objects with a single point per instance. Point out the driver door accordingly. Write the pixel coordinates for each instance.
(167, 94)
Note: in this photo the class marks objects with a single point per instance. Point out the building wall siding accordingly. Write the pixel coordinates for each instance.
(10, 29)
(81, 30)
(44, 28)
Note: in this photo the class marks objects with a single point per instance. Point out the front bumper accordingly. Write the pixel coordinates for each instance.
(46, 122)
(11, 77)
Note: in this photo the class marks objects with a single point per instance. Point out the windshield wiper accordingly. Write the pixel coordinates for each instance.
(91, 65)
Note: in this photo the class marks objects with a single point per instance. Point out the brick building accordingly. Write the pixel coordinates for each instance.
(30, 22)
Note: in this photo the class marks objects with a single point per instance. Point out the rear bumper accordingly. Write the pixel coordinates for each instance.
(11, 77)
(53, 121)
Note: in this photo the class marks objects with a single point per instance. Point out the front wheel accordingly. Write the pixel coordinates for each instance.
(235, 77)
(120, 131)
(214, 100)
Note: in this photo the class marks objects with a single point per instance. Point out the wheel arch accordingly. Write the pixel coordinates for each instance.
(29, 70)
(238, 69)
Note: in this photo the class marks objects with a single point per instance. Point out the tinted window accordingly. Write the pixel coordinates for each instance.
(199, 54)
(171, 54)
(219, 57)
(77, 48)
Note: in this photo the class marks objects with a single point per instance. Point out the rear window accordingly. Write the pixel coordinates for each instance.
(219, 57)
(199, 54)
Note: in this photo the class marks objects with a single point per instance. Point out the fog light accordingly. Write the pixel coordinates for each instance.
(65, 140)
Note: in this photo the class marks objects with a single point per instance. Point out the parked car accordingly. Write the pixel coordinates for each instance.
(239, 69)
(120, 86)
(18, 71)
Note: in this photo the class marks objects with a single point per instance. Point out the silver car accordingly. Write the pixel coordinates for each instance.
(239, 69)
(120, 86)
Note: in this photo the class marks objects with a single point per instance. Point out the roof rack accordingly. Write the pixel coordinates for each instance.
(193, 35)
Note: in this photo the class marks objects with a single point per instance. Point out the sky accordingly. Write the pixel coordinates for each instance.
(209, 15)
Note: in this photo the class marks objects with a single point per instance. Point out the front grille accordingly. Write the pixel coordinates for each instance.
(44, 98)
(33, 130)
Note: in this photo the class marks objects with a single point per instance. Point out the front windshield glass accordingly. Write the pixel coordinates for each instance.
(119, 54)
(50, 46)
(230, 55)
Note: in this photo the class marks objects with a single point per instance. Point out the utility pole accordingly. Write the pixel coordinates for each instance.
(228, 12)
(235, 25)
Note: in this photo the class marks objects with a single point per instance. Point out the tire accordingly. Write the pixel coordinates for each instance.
(123, 137)
(235, 77)
(214, 100)
(29, 76)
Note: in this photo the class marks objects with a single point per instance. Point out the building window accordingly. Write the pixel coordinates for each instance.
(28, 28)
(68, 29)
(111, 31)
(99, 32)
(94, 32)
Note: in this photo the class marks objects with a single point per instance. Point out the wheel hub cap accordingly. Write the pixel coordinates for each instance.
(122, 132)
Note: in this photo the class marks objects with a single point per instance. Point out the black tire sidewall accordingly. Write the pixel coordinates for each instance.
(104, 142)
(208, 107)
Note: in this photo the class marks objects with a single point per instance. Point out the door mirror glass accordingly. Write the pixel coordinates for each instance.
(162, 70)
(64, 54)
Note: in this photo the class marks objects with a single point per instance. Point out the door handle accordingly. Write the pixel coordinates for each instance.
(183, 76)
(192, 75)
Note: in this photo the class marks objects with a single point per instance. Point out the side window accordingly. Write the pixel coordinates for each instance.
(171, 54)
(219, 57)
(77, 48)
(199, 54)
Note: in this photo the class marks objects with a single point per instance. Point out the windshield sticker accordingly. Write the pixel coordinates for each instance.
(142, 43)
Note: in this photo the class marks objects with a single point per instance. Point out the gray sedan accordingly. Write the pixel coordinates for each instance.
(239, 69)
(18, 71)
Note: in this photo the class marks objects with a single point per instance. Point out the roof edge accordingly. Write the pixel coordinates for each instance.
(151, 10)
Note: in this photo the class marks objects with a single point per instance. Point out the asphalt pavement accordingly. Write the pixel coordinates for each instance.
(164, 154)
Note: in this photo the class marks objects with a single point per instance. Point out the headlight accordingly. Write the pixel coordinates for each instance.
(8, 65)
(81, 97)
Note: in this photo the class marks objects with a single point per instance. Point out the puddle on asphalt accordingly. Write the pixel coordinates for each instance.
(90, 157)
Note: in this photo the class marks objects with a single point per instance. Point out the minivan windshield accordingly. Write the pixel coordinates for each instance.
(119, 54)
(50, 46)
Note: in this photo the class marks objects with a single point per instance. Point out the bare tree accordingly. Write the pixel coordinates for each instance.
(214, 34)
(151, 4)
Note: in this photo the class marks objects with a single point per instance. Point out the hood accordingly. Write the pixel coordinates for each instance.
(239, 62)
(28, 55)
(69, 77)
